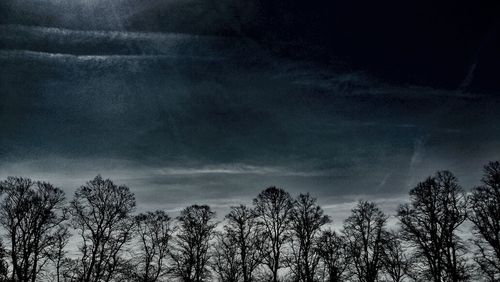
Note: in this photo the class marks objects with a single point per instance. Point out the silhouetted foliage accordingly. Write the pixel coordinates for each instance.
(278, 236)
(69, 270)
(4, 267)
(226, 261)
(396, 262)
(365, 233)
(430, 223)
(334, 256)
(30, 212)
(58, 257)
(306, 221)
(242, 229)
(191, 251)
(484, 212)
(153, 231)
(273, 207)
(101, 214)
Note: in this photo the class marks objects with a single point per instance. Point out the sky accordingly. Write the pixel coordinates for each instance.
(211, 102)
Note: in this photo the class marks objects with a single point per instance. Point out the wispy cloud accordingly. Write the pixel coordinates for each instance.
(239, 169)
(416, 159)
(384, 180)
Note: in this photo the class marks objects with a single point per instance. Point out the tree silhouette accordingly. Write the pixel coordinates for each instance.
(306, 221)
(226, 261)
(273, 207)
(484, 212)
(430, 223)
(190, 253)
(4, 267)
(334, 257)
(153, 231)
(101, 215)
(365, 234)
(58, 257)
(242, 229)
(30, 212)
(278, 235)
(395, 260)
(69, 270)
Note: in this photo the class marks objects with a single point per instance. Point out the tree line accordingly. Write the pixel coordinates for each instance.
(277, 238)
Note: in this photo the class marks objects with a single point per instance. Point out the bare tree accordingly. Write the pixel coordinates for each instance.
(4, 266)
(243, 230)
(154, 231)
(101, 215)
(395, 259)
(334, 257)
(226, 261)
(430, 223)
(365, 232)
(484, 212)
(273, 207)
(30, 213)
(307, 218)
(191, 253)
(58, 256)
(70, 270)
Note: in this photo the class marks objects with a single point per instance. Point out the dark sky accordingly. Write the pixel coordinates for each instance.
(212, 101)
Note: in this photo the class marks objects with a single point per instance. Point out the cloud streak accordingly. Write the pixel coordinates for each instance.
(149, 114)
(240, 169)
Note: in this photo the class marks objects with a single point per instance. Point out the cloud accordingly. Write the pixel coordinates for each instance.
(179, 130)
(418, 151)
(384, 180)
(239, 169)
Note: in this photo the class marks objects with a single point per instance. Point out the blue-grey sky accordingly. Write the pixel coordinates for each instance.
(184, 114)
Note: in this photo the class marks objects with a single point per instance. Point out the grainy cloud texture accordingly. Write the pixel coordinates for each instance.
(193, 104)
